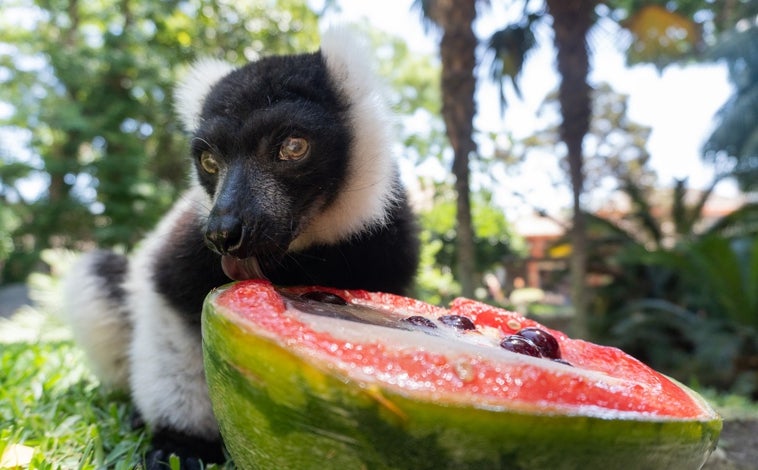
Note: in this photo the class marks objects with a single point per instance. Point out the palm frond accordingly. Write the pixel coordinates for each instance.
(679, 214)
(644, 211)
(742, 222)
(735, 136)
(608, 229)
(508, 48)
(740, 50)
(725, 277)
(426, 8)
(695, 212)
(737, 120)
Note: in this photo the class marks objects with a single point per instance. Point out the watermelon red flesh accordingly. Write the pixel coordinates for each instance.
(464, 368)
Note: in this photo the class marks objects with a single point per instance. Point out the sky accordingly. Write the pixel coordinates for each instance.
(678, 104)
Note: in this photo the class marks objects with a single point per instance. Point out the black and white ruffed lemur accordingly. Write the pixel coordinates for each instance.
(293, 180)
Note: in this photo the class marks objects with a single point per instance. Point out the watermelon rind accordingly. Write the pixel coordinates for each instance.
(279, 410)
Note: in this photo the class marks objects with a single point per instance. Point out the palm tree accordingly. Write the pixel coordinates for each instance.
(458, 54)
(572, 20)
(736, 134)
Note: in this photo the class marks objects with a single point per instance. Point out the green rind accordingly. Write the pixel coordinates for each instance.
(276, 410)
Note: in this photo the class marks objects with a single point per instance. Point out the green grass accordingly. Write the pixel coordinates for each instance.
(731, 406)
(53, 413)
(53, 405)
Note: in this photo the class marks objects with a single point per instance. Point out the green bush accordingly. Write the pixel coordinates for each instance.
(679, 294)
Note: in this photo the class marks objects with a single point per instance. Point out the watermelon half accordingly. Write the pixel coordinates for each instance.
(322, 378)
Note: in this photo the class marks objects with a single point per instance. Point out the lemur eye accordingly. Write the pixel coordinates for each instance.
(209, 162)
(294, 148)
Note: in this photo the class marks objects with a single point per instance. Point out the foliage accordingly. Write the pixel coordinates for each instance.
(664, 32)
(731, 406)
(616, 145)
(494, 242)
(735, 137)
(413, 90)
(660, 36)
(55, 407)
(702, 325)
(435, 283)
(679, 294)
(509, 48)
(89, 92)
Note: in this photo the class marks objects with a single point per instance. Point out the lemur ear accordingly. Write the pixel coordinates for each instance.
(191, 91)
(371, 184)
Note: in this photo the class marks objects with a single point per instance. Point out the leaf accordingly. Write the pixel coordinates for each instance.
(643, 210)
(509, 48)
(660, 36)
(742, 222)
(174, 462)
(751, 277)
(16, 455)
(719, 271)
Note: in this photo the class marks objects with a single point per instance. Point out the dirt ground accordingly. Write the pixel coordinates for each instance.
(738, 447)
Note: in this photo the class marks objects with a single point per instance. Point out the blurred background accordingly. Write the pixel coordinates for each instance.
(591, 164)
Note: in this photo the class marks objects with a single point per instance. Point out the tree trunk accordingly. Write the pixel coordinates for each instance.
(62, 156)
(457, 52)
(572, 20)
(58, 191)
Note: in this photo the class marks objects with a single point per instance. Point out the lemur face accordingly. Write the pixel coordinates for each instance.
(272, 151)
(292, 151)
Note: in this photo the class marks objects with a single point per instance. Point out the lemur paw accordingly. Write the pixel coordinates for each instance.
(193, 453)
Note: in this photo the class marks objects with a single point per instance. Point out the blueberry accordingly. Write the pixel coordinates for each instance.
(521, 345)
(545, 342)
(458, 322)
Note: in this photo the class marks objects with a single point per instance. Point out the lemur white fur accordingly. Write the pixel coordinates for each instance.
(166, 362)
(192, 90)
(365, 201)
(151, 352)
(100, 326)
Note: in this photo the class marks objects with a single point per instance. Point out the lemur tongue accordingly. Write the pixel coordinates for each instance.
(240, 269)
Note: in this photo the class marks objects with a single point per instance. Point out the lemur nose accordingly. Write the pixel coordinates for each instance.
(225, 235)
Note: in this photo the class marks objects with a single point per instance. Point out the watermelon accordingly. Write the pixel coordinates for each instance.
(321, 378)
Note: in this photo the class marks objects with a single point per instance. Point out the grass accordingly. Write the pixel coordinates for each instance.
(53, 412)
(55, 416)
(731, 406)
